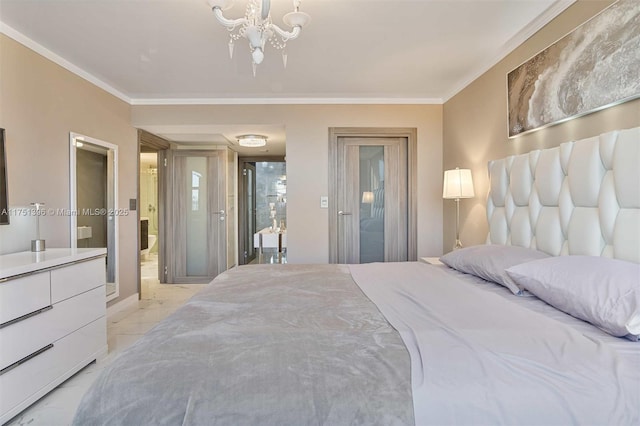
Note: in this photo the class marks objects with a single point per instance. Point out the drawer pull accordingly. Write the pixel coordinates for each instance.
(24, 317)
(25, 359)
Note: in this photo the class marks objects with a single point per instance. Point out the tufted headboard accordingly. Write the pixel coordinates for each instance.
(582, 197)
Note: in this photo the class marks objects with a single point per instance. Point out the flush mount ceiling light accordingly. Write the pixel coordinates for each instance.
(258, 28)
(252, 141)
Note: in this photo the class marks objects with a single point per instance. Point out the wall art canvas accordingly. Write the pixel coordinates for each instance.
(594, 67)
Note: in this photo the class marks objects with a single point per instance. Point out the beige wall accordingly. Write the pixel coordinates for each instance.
(40, 103)
(475, 124)
(307, 160)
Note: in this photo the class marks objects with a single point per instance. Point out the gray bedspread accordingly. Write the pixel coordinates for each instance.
(262, 345)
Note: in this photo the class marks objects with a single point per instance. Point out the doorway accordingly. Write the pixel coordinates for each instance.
(187, 196)
(372, 204)
(263, 210)
(151, 149)
(247, 207)
(149, 227)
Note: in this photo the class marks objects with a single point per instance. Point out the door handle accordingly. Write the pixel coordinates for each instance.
(341, 213)
(221, 213)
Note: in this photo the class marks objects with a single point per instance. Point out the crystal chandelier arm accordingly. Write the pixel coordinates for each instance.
(287, 35)
(266, 7)
(229, 23)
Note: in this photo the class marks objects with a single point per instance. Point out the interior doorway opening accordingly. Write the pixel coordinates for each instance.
(149, 228)
(150, 211)
(263, 210)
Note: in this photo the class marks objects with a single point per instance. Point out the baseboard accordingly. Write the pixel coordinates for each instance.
(129, 302)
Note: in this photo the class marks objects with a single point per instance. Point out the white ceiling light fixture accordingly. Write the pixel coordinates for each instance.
(252, 141)
(258, 28)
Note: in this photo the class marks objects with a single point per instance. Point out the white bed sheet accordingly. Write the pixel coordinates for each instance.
(480, 355)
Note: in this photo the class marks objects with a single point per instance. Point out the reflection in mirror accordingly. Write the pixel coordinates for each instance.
(371, 177)
(94, 177)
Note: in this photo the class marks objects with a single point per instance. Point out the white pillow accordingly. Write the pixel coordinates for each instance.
(489, 261)
(599, 290)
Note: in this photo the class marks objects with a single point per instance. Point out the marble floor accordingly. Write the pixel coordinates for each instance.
(269, 255)
(123, 329)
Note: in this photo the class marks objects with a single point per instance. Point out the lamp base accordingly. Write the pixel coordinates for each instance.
(457, 245)
(37, 245)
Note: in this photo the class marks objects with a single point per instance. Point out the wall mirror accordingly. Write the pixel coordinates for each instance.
(93, 200)
(4, 205)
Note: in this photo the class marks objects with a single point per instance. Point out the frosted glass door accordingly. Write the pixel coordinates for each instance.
(198, 247)
(197, 219)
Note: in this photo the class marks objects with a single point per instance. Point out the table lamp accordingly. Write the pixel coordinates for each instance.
(457, 184)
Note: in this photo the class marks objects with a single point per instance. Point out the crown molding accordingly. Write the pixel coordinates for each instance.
(54, 57)
(507, 48)
(38, 48)
(288, 101)
(515, 41)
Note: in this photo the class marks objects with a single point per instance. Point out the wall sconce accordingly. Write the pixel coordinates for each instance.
(458, 184)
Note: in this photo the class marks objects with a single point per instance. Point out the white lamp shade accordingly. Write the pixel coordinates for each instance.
(367, 197)
(458, 184)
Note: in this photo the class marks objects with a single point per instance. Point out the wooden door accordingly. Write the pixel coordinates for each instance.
(197, 201)
(371, 202)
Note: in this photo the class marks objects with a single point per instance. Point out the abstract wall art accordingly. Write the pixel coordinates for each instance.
(594, 67)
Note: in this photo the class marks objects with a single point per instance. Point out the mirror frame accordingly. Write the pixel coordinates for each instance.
(4, 186)
(73, 202)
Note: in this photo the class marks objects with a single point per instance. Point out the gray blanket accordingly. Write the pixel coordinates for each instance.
(262, 345)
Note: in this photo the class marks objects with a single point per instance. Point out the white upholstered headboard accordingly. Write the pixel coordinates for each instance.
(582, 197)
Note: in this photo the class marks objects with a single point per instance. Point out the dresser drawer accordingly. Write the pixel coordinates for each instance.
(24, 295)
(75, 279)
(22, 385)
(38, 331)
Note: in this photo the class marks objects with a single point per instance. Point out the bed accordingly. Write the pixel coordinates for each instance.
(538, 326)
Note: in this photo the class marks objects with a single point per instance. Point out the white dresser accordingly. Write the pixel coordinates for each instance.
(52, 321)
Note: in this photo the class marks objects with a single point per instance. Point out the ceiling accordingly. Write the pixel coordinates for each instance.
(353, 51)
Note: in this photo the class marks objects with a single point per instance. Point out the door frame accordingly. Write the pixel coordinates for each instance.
(241, 196)
(148, 142)
(242, 211)
(411, 136)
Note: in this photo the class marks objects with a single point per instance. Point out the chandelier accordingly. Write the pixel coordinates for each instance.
(258, 28)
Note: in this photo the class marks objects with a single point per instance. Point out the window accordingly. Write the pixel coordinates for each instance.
(195, 191)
